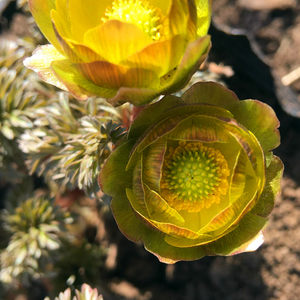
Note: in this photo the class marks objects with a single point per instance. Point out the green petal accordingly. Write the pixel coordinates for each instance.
(113, 179)
(128, 222)
(76, 83)
(136, 230)
(247, 229)
(252, 148)
(210, 93)
(138, 190)
(196, 52)
(265, 203)
(199, 128)
(151, 115)
(159, 210)
(136, 96)
(153, 159)
(175, 117)
(259, 118)
(164, 227)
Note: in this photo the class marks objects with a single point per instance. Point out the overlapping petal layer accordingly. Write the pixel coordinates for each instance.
(196, 176)
(158, 43)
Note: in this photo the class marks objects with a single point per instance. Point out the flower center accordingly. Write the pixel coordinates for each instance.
(194, 176)
(137, 12)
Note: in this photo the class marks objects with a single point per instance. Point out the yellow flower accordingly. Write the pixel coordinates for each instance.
(123, 50)
(196, 175)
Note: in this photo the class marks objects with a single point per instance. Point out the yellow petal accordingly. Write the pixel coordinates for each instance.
(79, 86)
(196, 52)
(75, 51)
(85, 15)
(159, 210)
(161, 56)
(178, 17)
(115, 40)
(203, 16)
(164, 5)
(110, 75)
(40, 10)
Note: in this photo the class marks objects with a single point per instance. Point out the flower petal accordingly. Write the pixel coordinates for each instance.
(151, 115)
(203, 15)
(259, 118)
(273, 176)
(75, 51)
(136, 96)
(118, 40)
(161, 56)
(114, 171)
(210, 93)
(165, 227)
(108, 75)
(159, 210)
(195, 54)
(85, 15)
(41, 61)
(247, 229)
(178, 17)
(199, 128)
(40, 10)
(153, 159)
(135, 230)
(169, 125)
(79, 86)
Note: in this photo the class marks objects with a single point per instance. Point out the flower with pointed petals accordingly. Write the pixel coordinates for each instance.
(123, 50)
(196, 175)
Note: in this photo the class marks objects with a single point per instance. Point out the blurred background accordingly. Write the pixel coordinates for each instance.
(56, 228)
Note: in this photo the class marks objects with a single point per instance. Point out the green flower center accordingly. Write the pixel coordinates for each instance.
(137, 12)
(194, 176)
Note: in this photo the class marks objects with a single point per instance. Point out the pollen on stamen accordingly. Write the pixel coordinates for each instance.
(137, 12)
(194, 176)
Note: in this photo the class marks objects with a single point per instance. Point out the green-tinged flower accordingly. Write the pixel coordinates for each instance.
(196, 175)
(86, 293)
(124, 50)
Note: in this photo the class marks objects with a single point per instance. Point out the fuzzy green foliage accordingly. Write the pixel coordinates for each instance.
(70, 141)
(18, 105)
(35, 227)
